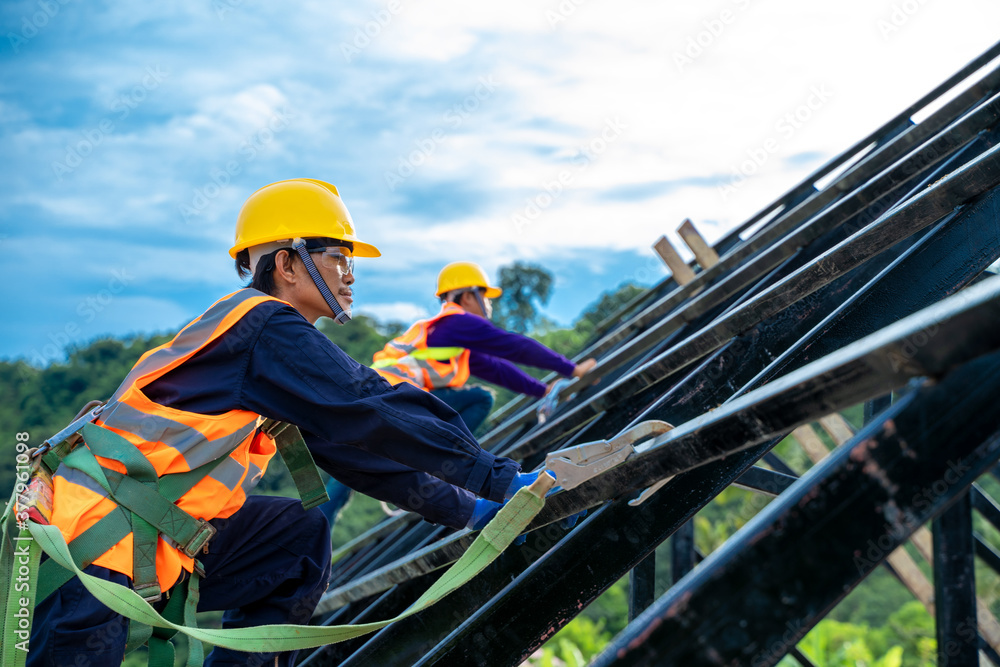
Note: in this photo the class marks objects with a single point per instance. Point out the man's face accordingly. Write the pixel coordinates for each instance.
(336, 265)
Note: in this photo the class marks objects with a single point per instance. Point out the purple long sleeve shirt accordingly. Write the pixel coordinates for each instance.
(493, 352)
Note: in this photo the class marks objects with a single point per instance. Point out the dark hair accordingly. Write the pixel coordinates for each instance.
(263, 279)
(457, 294)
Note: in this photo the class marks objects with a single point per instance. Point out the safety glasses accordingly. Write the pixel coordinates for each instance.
(338, 258)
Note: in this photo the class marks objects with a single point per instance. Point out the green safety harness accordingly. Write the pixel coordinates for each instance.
(146, 509)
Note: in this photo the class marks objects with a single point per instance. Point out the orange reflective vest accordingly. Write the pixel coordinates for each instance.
(408, 359)
(173, 441)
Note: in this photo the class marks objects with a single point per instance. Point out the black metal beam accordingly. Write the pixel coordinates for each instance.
(756, 596)
(405, 641)
(986, 506)
(873, 367)
(987, 553)
(806, 189)
(635, 401)
(801, 657)
(955, 585)
(885, 361)
(991, 655)
(682, 558)
(876, 163)
(628, 532)
(949, 257)
(928, 207)
(869, 176)
(875, 406)
(641, 585)
(762, 480)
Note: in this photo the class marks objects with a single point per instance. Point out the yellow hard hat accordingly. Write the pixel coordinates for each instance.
(462, 275)
(297, 208)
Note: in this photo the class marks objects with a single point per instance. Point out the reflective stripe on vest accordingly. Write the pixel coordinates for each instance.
(173, 441)
(408, 359)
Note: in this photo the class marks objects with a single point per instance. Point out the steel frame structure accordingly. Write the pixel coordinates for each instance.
(871, 289)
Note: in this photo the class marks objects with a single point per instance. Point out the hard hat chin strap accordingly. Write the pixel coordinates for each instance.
(482, 303)
(340, 316)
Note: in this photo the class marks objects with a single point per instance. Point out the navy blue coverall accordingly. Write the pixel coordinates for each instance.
(270, 561)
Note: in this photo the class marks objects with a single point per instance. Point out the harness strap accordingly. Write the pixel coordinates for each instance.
(509, 522)
(188, 533)
(138, 489)
(17, 617)
(299, 461)
(115, 526)
(138, 634)
(85, 549)
(89, 545)
(138, 492)
(180, 610)
(144, 540)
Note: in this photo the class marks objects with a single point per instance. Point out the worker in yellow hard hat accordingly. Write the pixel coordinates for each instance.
(441, 353)
(192, 428)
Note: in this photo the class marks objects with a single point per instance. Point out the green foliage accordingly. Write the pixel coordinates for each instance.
(606, 306)
(571, 341)
(362, 337)
(872, 602)
(360, 514)
(727, 513)
(525, 287)
(574, 645)
(610, 608)
(41, 401)
(906, 641)
(877, 625)
(575, 339)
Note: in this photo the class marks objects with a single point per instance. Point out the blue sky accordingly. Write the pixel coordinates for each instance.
(570, 133)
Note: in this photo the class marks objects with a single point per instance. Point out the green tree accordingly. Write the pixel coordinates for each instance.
(40, 401)
(526, 287)
(362, 337)
(608, 305)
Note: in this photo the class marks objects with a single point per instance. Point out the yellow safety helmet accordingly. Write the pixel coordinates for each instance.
(297, 208)
(463, 275)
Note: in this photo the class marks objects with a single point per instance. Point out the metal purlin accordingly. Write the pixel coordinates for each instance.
(826, 336)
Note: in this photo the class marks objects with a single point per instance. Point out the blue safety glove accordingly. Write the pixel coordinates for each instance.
(483, 512)
(523, 479)
(570, 521)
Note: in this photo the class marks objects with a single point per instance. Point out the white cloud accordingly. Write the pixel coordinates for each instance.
(559, 81)
(400, 311)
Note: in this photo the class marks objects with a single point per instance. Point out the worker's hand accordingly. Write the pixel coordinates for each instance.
(523, 479)
(584, 367)
(483, 512)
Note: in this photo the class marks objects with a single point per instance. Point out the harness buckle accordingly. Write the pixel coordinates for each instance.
(575, 465)
(70, 432)
(149, 592)
(199, 539)
(272, 427)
